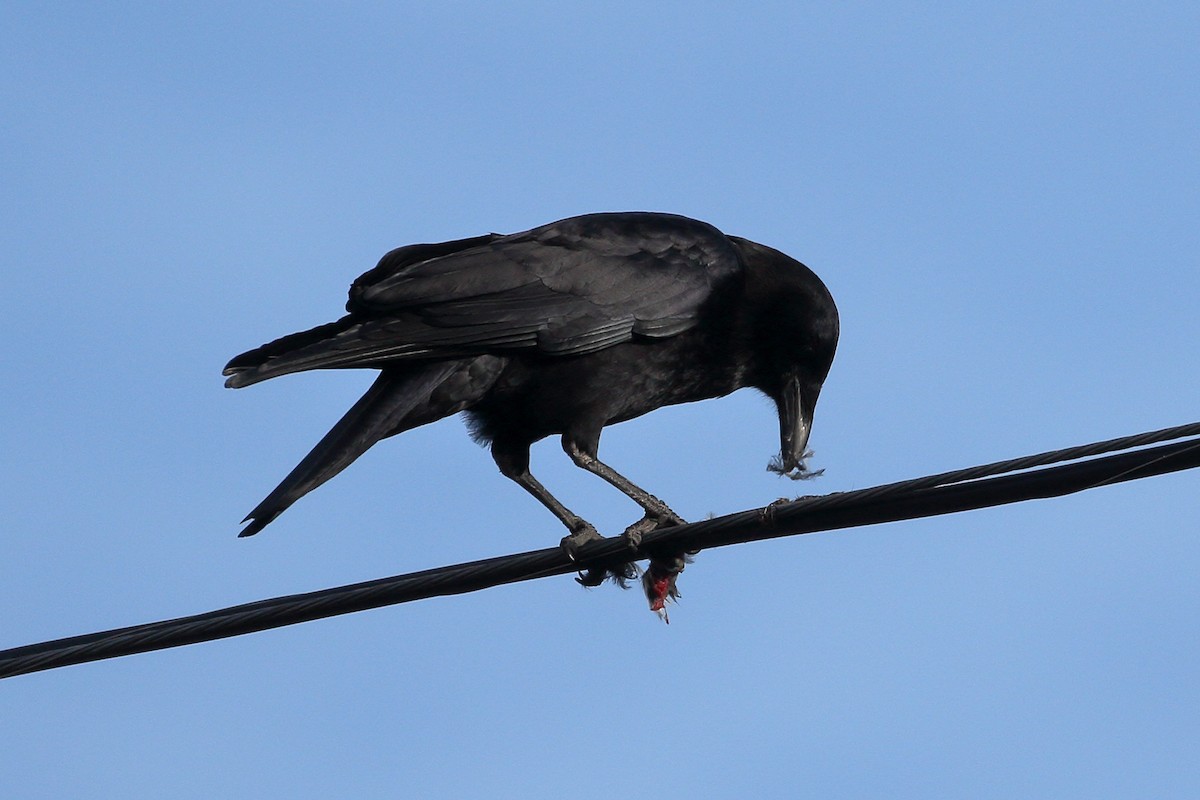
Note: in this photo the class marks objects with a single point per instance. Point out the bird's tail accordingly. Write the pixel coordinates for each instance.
(379, 413)
(284, 355)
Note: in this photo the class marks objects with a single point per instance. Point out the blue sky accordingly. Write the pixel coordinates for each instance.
(1002, 198)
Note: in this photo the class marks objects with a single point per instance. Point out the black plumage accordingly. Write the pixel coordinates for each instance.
(562, 329)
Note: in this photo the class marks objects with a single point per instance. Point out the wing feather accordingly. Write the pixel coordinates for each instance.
(570, 287)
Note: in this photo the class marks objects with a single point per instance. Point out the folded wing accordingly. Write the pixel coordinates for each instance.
(566, 288)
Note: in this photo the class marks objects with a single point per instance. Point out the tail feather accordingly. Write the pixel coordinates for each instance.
(378, 413)
(273, 358)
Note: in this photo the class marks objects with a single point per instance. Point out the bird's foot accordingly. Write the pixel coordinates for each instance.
(581, 534)
(634, 533)
(651, 522)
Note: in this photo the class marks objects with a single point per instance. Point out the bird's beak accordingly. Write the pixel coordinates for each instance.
(794, 426)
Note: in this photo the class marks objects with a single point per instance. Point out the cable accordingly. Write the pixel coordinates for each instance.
(983, 486)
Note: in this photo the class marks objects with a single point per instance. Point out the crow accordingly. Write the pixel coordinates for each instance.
(562, 329)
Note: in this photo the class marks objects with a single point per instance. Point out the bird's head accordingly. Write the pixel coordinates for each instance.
(793, 324)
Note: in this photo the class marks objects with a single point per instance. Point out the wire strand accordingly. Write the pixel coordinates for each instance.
(1010, 481)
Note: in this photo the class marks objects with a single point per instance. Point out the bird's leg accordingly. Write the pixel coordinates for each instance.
(514, 464)
(660, 576)
(582, 531)
(657, 513)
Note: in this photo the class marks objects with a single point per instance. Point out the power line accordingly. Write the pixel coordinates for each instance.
(983, 486)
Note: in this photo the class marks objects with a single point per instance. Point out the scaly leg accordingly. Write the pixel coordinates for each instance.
(514, 464)
(658, 514)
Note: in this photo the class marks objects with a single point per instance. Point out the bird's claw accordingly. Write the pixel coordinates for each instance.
(634, 533)
(580, 535)
(633, 537)
(651, 522)
(584, 533)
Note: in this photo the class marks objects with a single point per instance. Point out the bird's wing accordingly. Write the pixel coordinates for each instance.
(569, 287)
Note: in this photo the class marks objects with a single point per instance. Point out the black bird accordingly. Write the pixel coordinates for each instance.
(562, 329)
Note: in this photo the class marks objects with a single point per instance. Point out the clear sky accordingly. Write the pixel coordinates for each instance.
(1003, 198)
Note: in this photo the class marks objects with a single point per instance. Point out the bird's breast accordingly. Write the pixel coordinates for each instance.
(540, 396)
